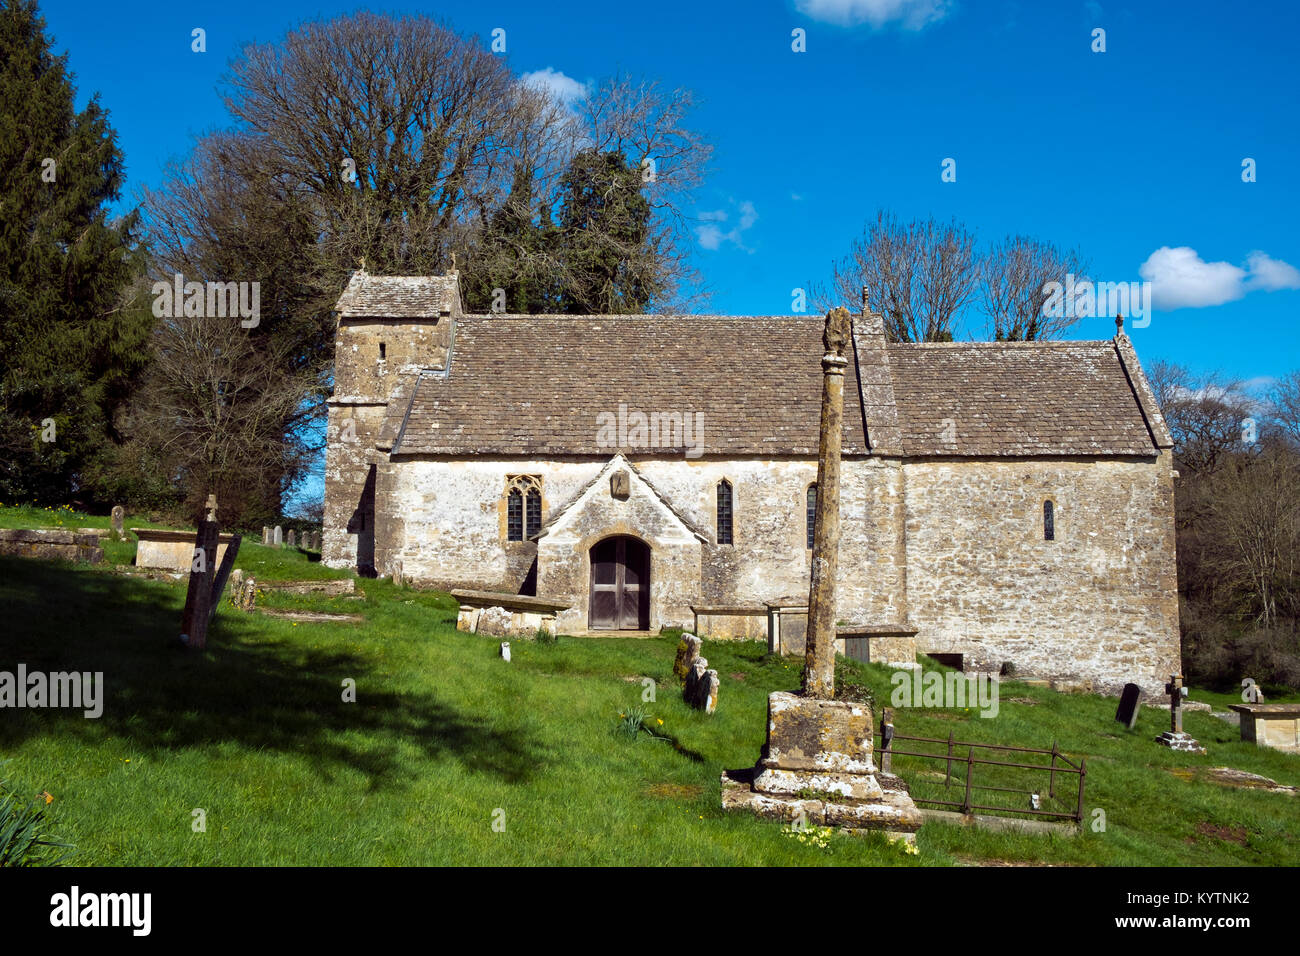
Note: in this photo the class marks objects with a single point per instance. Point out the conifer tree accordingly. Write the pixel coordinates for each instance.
(72, 334)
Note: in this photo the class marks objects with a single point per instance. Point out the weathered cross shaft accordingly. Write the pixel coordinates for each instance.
(819, 655)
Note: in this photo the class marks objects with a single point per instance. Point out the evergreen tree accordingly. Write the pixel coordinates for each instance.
(514, 255)
(606, 251)
(73, 336)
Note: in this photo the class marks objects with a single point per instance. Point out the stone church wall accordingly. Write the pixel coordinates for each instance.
(1099, 603)
(445, 520)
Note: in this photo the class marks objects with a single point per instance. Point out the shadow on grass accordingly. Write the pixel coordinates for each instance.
(261, 693)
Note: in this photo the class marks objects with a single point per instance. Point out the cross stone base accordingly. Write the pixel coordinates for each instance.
(817, 768)
(1179, 740)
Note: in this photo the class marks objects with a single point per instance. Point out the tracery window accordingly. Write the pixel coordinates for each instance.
(523, 506)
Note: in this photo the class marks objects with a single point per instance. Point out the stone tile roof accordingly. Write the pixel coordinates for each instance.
(535, 385)
(399, 297)
(1016, 399)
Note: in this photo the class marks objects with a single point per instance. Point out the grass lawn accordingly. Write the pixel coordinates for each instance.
(445, 737)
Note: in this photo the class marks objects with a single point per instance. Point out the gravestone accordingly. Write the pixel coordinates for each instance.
(223, 572)
(250, 594)
(266, 536)
(505, 651)
(198, 595)
(397, 572)
(701, 688)
(1130, 702)
(292, 543)
(688, 649)
(277, 536)
(1174, 738)
(118, 518)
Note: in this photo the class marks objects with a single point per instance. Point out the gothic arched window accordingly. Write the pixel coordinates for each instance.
(523, 506)
(724, 512)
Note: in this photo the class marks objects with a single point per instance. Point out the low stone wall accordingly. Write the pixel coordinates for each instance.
(51, 544)
(172, 550)
(502, 615)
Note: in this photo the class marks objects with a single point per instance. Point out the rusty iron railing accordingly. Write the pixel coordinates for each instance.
(1058, 765)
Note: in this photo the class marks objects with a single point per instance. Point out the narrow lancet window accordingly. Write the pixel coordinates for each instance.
(724, 512)
(1049, 521)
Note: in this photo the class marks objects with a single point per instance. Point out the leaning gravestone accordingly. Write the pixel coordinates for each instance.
(194, 620)
(1130, 702)
(119, 517)
(223, 572)
(688, 649)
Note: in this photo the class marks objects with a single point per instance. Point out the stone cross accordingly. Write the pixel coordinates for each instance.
(1176, 692)
(212, 507)
(819, 654)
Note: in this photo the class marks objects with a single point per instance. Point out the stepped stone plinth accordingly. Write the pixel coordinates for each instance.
(816, 767)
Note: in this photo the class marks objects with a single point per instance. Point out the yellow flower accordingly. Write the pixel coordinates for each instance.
(661, 723)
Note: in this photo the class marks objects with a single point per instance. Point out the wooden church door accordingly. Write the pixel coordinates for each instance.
(620, 585)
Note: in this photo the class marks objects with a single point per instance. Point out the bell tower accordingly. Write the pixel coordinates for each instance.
(389, 328)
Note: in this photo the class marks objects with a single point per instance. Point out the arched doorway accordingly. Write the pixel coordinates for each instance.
(620, 585)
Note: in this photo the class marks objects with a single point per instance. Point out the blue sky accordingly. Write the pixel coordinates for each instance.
(1121, 154)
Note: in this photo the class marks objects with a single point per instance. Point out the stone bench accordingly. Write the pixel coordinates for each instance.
(503, 615)
(52, 543)
(1270, 725)
(171, 550)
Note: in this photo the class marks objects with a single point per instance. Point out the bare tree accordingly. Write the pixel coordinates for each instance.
(1014, 277)
(214, 408)
(1285, 401)
(1206, 415)
(921, 275)
(648, 125)
(1255, 526)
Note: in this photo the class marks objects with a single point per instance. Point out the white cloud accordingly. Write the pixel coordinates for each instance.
(1181, 279)
(1271, 274)
(910, 14)
(712, 235)
(565, 88)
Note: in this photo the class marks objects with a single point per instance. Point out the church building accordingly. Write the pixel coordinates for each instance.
(1005, 506)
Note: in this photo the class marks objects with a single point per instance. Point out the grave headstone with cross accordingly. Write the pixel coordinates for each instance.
(1174, 738)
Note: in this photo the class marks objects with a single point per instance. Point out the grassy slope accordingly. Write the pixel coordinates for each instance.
(444, 733)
